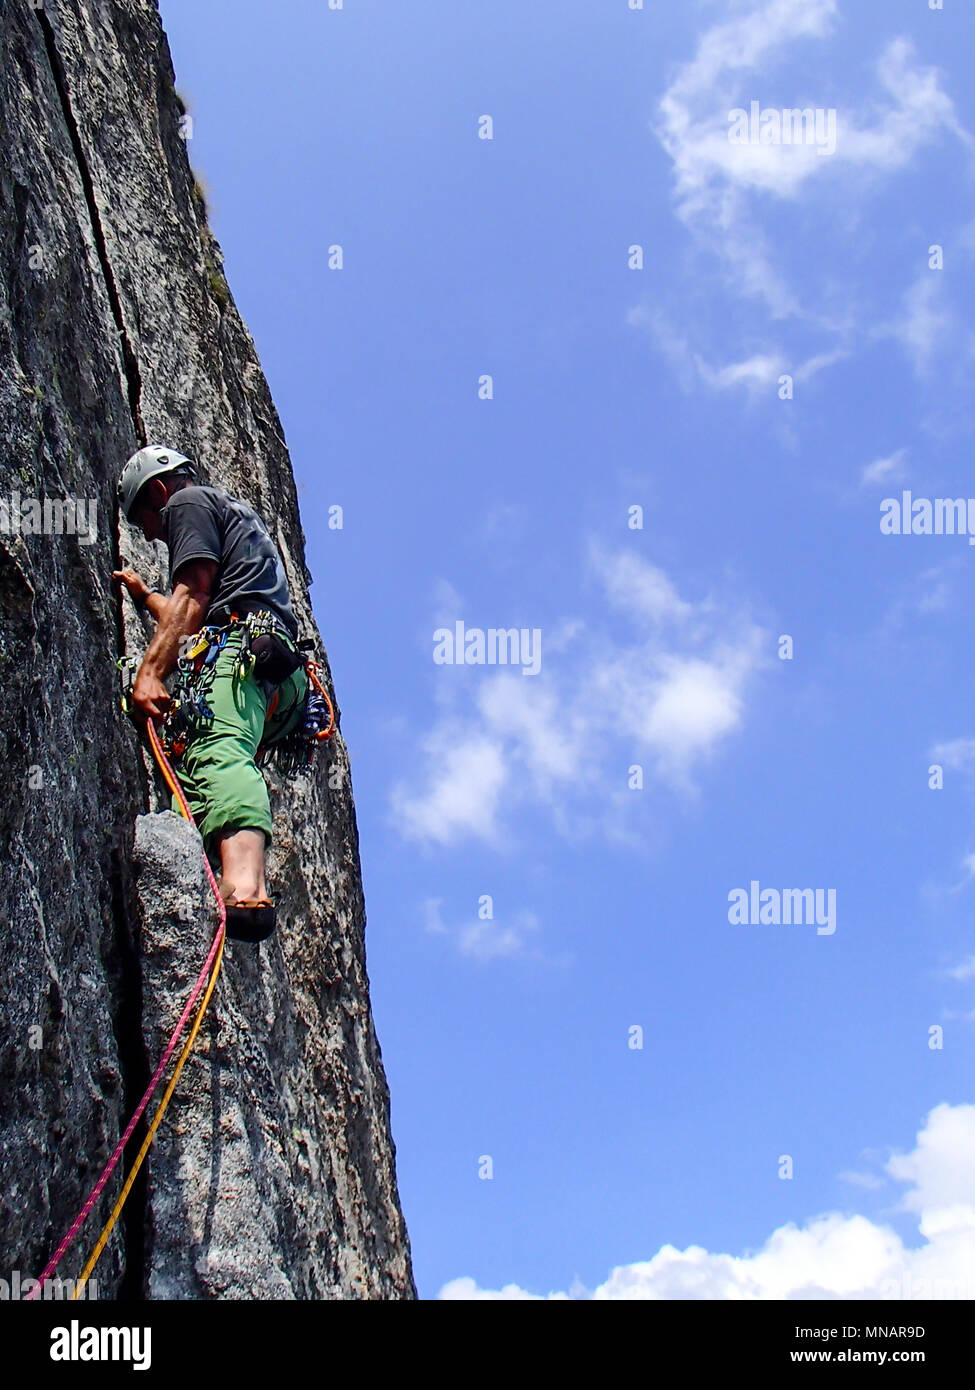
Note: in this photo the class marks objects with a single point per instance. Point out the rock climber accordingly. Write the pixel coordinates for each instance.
(229, 595)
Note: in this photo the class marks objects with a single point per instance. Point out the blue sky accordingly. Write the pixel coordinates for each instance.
(785, 360)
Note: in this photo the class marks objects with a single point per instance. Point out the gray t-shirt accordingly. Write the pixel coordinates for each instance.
(206, 523)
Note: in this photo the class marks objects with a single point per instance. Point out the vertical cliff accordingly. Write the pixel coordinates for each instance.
(273, 1175)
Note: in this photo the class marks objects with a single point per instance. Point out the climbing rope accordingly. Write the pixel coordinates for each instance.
(212, 963)
(160, 1111)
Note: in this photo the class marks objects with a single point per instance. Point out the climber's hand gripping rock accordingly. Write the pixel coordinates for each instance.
(136, 586)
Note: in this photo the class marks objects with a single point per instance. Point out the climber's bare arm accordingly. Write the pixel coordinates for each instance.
(179, 615)
(155, 605)
(142, 596)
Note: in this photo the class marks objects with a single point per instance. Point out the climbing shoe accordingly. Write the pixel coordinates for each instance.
(250, 919)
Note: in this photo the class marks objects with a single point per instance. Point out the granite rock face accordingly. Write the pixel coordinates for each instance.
(273, 1174)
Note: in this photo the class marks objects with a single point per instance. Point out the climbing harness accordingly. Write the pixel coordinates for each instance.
(208, 976)
(266, 648)
(272, 655)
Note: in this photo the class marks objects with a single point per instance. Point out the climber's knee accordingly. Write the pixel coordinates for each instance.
(225, 788)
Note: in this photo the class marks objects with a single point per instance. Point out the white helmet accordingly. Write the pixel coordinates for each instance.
(150, 462)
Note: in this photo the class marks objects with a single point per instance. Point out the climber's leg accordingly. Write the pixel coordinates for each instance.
(242, 862)
(225, 788)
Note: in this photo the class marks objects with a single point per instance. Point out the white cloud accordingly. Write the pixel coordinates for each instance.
(831, 1256)
(432, 917)
(467, 773)
(467, 1290)
(926, 322)
(920, 110)
(756, 375)
(631, 583)
(760, 371)
(957, 753)
(721, 187)
(675, 707)
(564, 739)
(965, 971)
(448, 604)
(500, 937)
(490, 940)
(927, 592)
(819, 362)
(530, 715)
(712, 172)
(884, 470)
(941, 1170)
(968, 873)
(870, 1181)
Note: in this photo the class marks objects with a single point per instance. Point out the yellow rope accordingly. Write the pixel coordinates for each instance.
(156, 1119)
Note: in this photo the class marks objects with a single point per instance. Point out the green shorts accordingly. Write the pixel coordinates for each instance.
(224, 786)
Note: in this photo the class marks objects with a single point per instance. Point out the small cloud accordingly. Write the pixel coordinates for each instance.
(936, 599)
(489, 940)
(968, 873)
(958, 754)
(432, 919)
(448, 605)
(641, 588)
(467, 773)
(755, 373)
(928, 592)
(869, 1181)
(884, 470)
(963, 972)
(467, 1289)
(818, 363)
(926, 324)
(504, 523)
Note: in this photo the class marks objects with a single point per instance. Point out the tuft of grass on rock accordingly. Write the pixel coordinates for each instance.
(200, 202)
(218, 283)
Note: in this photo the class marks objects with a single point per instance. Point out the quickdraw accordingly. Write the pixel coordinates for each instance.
(189, 709)
(252, 626)
(294, 753)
